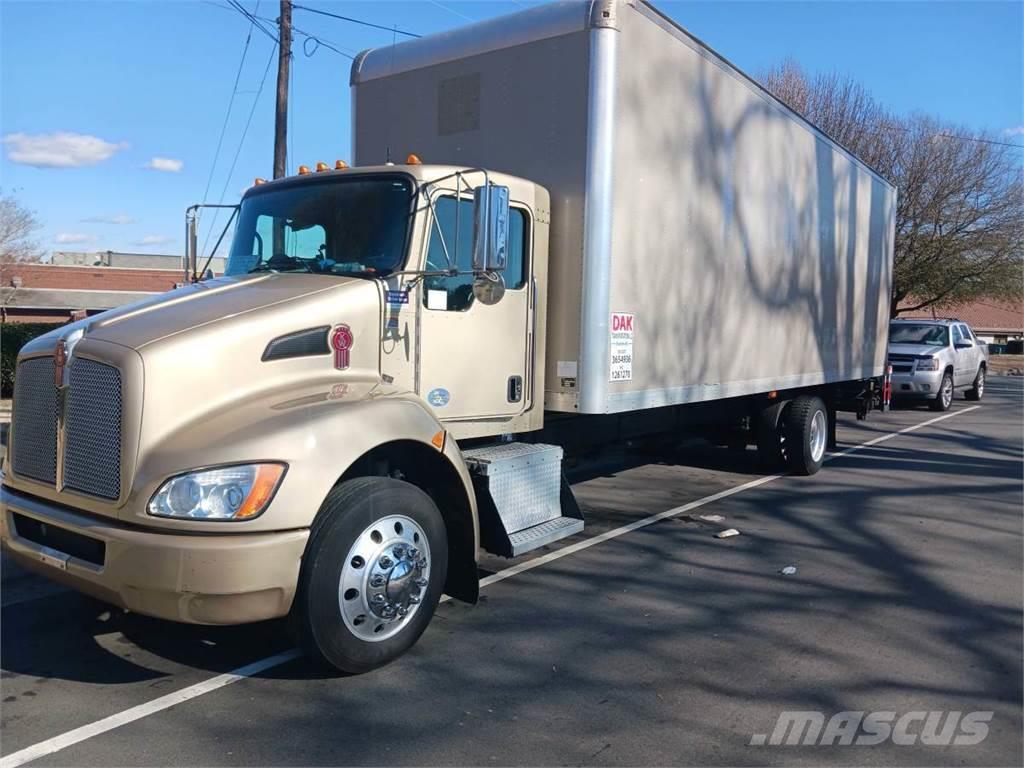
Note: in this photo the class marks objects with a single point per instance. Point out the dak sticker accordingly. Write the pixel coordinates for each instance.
(621, 357)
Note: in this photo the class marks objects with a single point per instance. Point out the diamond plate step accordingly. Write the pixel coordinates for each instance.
(545, 533)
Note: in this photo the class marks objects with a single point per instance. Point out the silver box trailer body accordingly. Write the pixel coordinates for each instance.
(706, 241)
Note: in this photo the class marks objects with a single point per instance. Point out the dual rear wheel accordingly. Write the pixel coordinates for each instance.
(794, 435)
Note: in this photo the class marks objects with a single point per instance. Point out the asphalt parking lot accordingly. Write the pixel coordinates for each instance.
(640, 642)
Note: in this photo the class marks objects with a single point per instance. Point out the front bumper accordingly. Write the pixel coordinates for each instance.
(916, 384)
(229, 578)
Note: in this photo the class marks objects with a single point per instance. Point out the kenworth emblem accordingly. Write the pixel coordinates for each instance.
(60, 359)
(341, 342)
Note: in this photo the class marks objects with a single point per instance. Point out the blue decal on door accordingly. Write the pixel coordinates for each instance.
(438, 397)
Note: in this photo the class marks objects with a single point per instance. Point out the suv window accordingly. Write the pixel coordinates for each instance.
(968, 336)
(455, 294)
(958, 336)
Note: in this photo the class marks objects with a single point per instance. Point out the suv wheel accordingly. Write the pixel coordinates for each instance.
(944, 397)
(976, 391)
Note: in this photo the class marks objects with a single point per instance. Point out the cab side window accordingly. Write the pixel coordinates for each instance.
(455, 294)
(958, 337)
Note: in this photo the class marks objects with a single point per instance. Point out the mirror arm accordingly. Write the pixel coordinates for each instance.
(216, 245)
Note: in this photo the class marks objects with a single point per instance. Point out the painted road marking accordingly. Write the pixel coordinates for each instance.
(77, 735)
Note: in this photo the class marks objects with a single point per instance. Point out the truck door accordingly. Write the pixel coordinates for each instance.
(474, 360)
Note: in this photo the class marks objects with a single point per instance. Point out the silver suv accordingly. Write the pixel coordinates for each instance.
(931, 358)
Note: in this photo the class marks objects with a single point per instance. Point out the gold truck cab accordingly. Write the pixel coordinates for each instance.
(283, 439)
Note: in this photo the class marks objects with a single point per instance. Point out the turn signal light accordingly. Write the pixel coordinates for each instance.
(321, 167)
(303, 170)
(413, 160)
(340, 165)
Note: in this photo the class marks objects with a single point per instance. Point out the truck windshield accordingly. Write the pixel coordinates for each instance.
(333, 226)
(918, 333)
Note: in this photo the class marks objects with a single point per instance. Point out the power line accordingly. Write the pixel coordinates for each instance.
(355, 21)
(241, 9)
(451, 10)
(241, 141)
(231, 101)
(320, 41)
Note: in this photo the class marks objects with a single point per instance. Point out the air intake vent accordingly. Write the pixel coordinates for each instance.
(307, 343)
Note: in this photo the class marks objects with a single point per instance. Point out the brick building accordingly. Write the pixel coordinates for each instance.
(75, 284)
(50, 293)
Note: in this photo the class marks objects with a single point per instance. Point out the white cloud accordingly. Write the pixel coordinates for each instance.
(1015, 131)
(74, 238)
(117, 218)
(154, 240)
(59, 150)
(168, 164)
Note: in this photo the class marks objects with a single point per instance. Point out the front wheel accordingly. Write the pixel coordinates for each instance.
(372, 574)
(805, 426)
(978, 389)
(944, 397)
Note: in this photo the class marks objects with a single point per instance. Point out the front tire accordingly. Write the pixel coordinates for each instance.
(944, 397)
(978, 389)
(805, 425)
(372, 574)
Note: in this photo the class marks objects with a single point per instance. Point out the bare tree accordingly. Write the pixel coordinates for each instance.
(17, 225)
(960, 209)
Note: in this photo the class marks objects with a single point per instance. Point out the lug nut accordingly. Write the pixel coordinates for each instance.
(377, 581)
(413, 599)
(398, 551)
(421, 583)
(402, 610)
(385, 562)
(413, 553)
(378, 600)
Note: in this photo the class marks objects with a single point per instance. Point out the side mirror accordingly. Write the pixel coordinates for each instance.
(963, 345)
(490, 228)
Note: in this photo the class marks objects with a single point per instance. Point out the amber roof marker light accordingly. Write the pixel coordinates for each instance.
(321, 167)
(303, 170)
(413, 159)
(340, 165)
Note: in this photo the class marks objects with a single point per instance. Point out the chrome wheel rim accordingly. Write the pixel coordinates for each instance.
(817, 436)
(947, 392)
(980, 386)
(384, 577)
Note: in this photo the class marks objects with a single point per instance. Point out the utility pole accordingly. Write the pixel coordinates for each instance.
(284, 60)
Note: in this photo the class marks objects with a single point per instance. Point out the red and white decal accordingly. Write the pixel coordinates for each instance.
(341, 342)
(620, 356)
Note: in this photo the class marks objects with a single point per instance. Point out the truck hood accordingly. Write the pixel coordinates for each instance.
(193, 306)
(927, 350)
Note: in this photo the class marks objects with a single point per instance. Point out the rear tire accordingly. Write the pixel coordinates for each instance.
(978, 389)
(805, 426)
(372, 574)
(944, 397)
(769, 437)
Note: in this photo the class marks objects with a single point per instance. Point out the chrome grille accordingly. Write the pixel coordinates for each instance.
(34, 428)
(92, 422)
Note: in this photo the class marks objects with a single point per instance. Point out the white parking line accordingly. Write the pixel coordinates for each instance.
(49, 746)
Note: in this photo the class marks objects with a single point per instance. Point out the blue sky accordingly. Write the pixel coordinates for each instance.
(128, 98)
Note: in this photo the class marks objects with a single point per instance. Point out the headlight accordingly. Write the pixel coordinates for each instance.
(228, 493)
(928, 365)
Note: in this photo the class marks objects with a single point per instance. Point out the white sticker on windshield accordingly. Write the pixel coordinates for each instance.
(437, 299)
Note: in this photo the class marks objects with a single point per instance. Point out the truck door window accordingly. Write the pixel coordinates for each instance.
(958, 337)
(455, 294)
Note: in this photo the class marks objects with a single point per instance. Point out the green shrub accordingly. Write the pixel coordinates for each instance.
(13, 336)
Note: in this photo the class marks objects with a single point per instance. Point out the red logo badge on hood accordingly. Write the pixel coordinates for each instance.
(341, 342)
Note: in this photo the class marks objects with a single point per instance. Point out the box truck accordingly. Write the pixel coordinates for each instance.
(616, 231)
